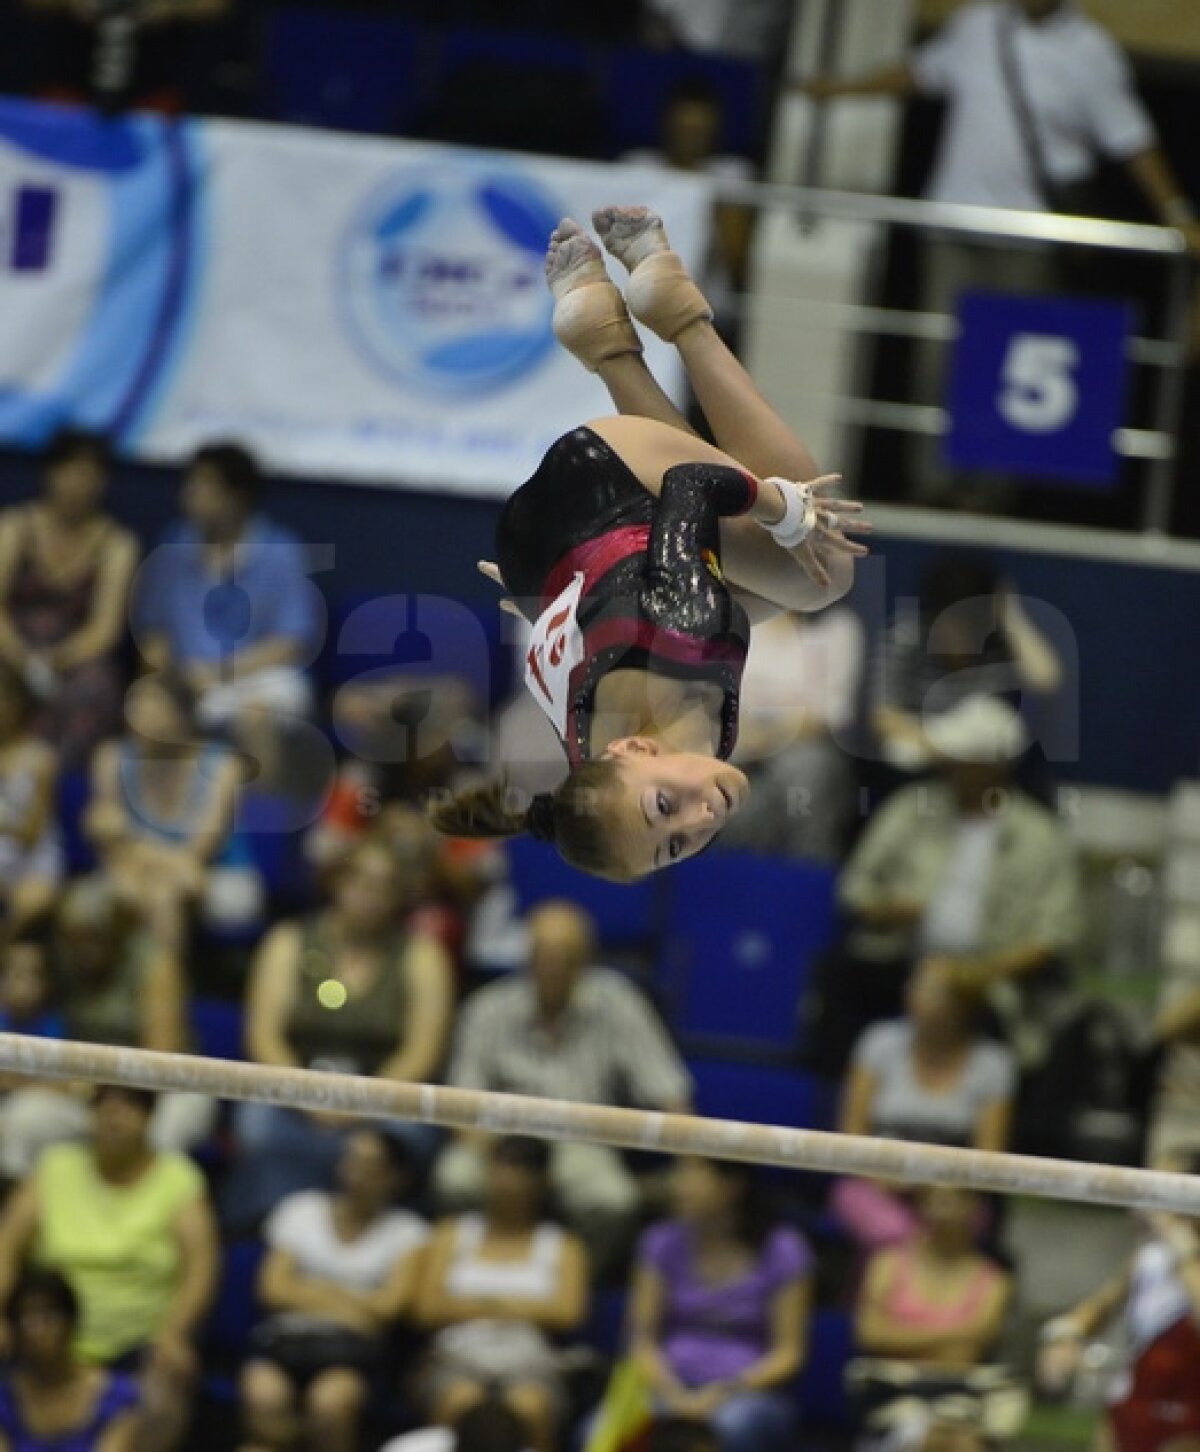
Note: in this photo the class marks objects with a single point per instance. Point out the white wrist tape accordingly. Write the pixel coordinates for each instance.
(799, 514)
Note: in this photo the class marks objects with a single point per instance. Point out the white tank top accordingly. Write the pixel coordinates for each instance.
(532, 1279)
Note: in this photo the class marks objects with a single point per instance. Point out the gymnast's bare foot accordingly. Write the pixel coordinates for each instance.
(590, 317)
(630, 234)
(661, 293)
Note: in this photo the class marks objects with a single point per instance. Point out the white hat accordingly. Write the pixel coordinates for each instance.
(981, 729)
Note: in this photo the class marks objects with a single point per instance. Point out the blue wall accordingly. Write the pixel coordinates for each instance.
(1132, 628)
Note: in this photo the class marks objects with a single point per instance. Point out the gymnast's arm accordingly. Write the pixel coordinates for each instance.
(754, 565)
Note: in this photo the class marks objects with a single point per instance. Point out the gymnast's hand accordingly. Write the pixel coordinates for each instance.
(833, 520)
(491, 570)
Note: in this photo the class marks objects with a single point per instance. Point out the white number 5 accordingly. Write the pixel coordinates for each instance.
(1039, 393)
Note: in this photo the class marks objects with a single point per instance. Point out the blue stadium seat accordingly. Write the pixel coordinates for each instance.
(625, 914)
(217, 1028)
(234, 1313)
(272, 826)
(345, 72)
(740, 936)
(758, 1093)
(418, 634)
(74, 792)
(822, 1391)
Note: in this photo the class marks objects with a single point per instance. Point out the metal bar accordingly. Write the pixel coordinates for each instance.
(987, 223)
(1122, 547)
(1172, 396)
(680, 1134)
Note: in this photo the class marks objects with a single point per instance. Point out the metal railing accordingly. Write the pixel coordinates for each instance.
(1157, 445)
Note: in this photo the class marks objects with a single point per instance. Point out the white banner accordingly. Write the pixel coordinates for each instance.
(347, 307)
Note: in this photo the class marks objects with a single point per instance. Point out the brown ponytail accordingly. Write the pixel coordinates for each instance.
(571, 817)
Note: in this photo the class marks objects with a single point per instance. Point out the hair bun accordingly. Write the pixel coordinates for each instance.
(539, 819)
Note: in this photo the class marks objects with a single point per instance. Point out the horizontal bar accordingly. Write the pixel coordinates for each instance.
(799, 1149)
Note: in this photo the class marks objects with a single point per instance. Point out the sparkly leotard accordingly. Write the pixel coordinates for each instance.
(653, 595)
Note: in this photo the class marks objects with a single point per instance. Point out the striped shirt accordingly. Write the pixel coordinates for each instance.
(608, 1047)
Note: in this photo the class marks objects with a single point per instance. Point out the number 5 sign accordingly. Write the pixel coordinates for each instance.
(1038, 387)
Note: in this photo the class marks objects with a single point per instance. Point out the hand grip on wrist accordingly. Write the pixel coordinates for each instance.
(799, 513)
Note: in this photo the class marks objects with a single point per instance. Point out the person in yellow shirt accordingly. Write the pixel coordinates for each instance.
(133, 1233)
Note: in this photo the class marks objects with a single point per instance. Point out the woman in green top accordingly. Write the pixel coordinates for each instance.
(133, 1233)
(348, 989)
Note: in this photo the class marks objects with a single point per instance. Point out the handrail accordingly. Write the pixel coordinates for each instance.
(967, 220)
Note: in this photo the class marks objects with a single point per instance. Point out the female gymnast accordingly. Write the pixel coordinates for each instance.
(641, 554)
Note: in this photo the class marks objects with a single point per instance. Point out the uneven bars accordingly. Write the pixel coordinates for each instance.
(638, 1129)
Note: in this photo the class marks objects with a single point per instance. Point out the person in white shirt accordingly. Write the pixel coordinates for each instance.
(1072, 78)
(1037, 95)
(340, 1272)
(806, 675)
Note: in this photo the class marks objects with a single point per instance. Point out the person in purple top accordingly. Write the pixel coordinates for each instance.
(50, 1401)
(719, 1309)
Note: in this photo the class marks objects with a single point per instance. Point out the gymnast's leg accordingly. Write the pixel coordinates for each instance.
(592, 322)
(664, 297)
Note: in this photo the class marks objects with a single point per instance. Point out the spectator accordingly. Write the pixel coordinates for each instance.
(31, 857)
(132, 1232)
(347, 989)
(65, 571)
(926, 1077)
(121, 986)
(26, 1007)
(161, 816)
(803, 675)
(225, 600)
(964, 868)
(1037, 94)
(498, 1287)
(1175, 1124)
(567, 1030)
(49, 1399)
(691, 132)
(936, 1301)
(340, 1273)
(966, 634)
(1156, 1403)
(117, 56)
(719, 1312)
(489, 1426)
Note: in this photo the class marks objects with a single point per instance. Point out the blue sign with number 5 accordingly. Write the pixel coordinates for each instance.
(1038, 387)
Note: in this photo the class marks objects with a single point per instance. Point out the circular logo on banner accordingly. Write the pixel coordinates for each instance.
(441, 278)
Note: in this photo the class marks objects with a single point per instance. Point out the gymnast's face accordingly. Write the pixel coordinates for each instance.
(672, 803)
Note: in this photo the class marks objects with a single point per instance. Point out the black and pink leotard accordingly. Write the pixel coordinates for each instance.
(639, 577)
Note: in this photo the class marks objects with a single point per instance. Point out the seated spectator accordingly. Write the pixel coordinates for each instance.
(498, 1287)
(161, 816)
(65, 570)
(31, 856)
(1155, 1404)
(564, 1029)
(347, 989)
(119, 56)
(119, 985)
(226, 601)
(936, 1301)
(719, 1310)
(931, 1309)
(966, 634)
(1175, 1119)
(50, 1400)
(489, 1426)
(799, 693)
(27, 1007)
(928, 1077)
(132, 1232)
(965, 868)
(340, 1273)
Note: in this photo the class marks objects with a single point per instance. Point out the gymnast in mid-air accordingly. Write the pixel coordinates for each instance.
(642, 554)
